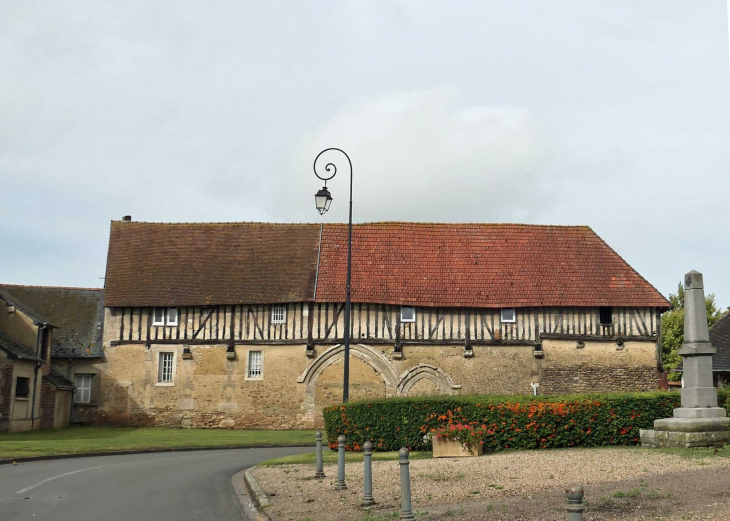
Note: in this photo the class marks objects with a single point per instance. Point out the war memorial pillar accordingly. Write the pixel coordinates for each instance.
(699, 422)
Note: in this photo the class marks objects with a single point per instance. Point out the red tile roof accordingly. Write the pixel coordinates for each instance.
(155, 264)
(449, 265)
(479, 265)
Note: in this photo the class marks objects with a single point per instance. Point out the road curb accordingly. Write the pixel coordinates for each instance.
(145, 451)
(259, 497)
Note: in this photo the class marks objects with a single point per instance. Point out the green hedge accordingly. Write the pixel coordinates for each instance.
(513, 422)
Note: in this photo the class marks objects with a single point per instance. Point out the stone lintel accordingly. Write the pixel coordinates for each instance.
(658, 439)
(700, 412)
(692, 424)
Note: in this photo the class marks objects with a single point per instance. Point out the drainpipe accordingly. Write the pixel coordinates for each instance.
(534, 386)
(38, 365)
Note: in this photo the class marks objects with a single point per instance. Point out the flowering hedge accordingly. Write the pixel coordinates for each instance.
(468, 435)
(510, 422)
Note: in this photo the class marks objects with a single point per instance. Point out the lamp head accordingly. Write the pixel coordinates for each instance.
(323, 200)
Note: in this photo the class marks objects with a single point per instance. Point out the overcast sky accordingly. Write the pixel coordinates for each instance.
(611, 114)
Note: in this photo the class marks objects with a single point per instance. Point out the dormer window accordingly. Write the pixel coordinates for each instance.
(278, 314)
(407, 314)
(164, 317)
(508, 315)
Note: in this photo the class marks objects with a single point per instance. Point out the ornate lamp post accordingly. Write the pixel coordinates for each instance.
(323, 199)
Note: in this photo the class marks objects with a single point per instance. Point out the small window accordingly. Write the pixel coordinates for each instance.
(171, 316)
(508, 315)
(22, 387)
(278, 314)
(254, 364)
(164, 317)
(606, 316)
(165, 368)
(83, 388)
(407, 314)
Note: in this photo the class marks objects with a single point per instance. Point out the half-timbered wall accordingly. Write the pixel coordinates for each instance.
(318, 323)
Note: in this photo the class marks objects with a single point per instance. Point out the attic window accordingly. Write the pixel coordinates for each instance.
(278, 314)
(508, 315)
(164, 317)
(407, 314)
(605, 315)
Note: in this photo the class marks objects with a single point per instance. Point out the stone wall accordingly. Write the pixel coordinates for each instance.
(209, 390)
(599, 366)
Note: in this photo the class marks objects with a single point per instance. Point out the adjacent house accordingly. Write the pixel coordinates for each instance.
(31, 396)
(76, 345)
(241, 325)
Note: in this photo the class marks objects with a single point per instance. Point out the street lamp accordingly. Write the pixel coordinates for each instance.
(323, 199)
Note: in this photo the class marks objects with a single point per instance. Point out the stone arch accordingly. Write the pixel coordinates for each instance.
(380, 364)
(425, 371)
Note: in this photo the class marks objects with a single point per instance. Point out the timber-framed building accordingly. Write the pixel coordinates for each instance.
(240, 325)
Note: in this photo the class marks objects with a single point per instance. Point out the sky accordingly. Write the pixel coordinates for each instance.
(613, 114)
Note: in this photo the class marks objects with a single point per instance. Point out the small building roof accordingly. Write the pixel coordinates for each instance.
(59, 381)
(720, 338)
(15, 349)
(78, 314)
(12, 300)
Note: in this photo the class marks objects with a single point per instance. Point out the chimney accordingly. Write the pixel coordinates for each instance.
(127, 218)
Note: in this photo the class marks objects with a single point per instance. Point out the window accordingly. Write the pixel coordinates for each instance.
(606, 316)
(278, 314)
(164, 317)
(22, 387)
(164, 375)
(83, 388)
(407, 314)
(171, 316)
(255, 364)
(508, 315)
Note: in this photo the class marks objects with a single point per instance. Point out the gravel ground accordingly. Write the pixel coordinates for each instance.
(620, 483)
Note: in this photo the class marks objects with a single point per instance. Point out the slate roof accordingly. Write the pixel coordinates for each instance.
(78, 314)
(16, 350)
(424, 264)
(156, 264)
(720, 339)
(479, 265)
(59, 381)
(13, 300)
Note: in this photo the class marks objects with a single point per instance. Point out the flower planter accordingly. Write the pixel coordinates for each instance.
(443, 448)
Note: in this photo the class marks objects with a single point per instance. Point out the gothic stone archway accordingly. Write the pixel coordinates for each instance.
(371, 376)
(425, 379)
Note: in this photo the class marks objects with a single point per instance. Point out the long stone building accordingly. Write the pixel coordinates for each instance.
(241, 325)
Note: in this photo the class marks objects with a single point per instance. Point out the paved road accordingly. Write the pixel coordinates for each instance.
(175, 486)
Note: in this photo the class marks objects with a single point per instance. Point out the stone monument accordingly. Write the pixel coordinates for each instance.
(699, 422)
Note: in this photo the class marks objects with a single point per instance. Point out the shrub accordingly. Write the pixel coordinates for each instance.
(510, 422)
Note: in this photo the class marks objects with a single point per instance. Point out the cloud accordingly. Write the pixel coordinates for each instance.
(424, 155)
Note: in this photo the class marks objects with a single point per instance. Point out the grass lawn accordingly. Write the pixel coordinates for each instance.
(84, 440)
(331, 457)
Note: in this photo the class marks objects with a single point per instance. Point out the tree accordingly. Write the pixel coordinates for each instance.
(673, 328)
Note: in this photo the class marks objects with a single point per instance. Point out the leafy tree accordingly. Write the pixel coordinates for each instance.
(673, 328)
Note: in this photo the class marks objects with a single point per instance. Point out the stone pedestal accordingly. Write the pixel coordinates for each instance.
(699, 422)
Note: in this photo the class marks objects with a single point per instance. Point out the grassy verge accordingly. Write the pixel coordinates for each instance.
(331, 457)
(85, 440)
